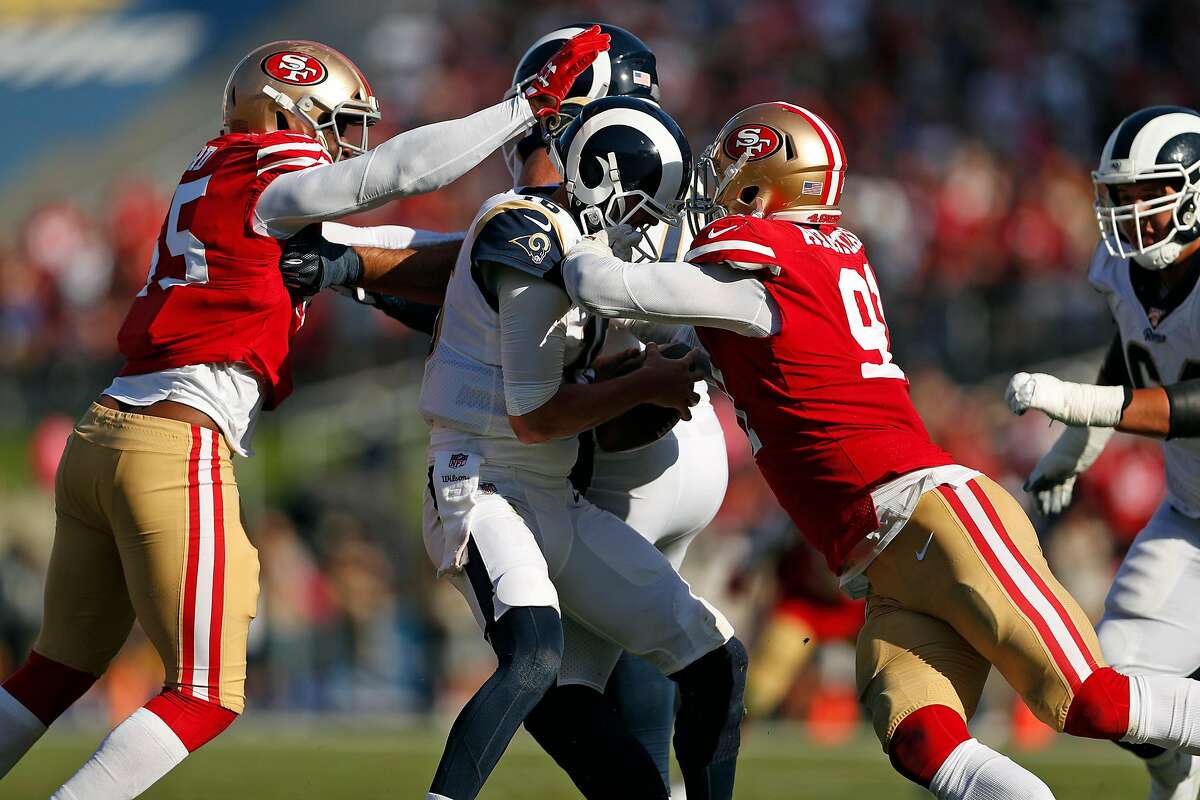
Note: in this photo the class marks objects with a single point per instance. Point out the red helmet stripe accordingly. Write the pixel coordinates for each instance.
(833, 153)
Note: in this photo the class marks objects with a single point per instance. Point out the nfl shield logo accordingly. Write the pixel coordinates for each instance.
(812, 187)
(457, 461)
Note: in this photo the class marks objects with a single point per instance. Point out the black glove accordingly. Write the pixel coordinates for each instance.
(418, 316)
(310, 263)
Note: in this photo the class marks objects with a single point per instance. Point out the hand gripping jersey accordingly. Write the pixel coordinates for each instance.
(826, 409)
(214, 293)
(1162, 346)
(463, 385)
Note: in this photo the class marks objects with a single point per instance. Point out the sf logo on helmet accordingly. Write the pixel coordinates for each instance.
(292, 67)
(757, 141)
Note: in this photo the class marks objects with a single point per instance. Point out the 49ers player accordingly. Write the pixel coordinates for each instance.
(950, 564)
(147, 517)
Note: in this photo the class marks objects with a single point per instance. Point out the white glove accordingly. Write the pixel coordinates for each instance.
(617, 241)
(1053, 479)
(1076, 404)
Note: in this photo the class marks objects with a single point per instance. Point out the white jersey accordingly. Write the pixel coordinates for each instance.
(462, 393)
(1160, 349)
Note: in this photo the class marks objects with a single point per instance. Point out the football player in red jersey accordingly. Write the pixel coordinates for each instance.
(147, 516)
(788, 307)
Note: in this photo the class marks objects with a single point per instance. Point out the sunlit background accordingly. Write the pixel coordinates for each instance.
(970, 130)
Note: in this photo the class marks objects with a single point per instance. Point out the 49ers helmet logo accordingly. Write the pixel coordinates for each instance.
(289, 66)
(759, 141)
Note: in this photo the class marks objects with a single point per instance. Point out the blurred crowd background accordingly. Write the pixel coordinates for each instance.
(970, 130)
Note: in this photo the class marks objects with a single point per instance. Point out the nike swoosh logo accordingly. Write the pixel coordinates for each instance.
(547, 227)
(714, 233)
(921, 553)
(294, 262)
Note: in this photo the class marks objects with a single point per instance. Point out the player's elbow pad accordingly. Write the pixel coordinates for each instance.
(1184, 400)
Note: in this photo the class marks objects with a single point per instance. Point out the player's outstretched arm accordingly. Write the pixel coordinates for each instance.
(423, 159)
(415, 265)
(1159, 412)
(532, 346)
(710, 295)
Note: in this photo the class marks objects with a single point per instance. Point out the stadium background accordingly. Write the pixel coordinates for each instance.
(970, 130)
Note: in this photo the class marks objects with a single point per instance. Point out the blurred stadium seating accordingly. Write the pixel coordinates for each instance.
(970, 130)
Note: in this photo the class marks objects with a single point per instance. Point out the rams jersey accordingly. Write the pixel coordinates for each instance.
(462, 393)
(1161, 346)
(826, 408)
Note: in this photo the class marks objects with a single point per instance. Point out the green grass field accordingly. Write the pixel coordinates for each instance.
(296, 760)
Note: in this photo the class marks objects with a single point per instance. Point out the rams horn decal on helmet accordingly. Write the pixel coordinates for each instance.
(623, 155)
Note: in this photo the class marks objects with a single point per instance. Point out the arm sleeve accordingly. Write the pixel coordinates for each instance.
(660, 333)
(389, 237)
(413, 162)
(709, 295)
(532, 339)
(1183, 399)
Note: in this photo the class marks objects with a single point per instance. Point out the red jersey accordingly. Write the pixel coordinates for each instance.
(214, 293)
(826, 408)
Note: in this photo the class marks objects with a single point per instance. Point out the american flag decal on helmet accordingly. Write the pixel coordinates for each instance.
(641, 78)
(812, 187)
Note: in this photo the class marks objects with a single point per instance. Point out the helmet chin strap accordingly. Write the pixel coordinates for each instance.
(1160, 257)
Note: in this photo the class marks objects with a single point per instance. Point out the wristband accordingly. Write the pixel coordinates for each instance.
(1184, 400)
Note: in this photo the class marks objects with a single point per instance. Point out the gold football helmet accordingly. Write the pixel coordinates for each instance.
(300, 86)
(773, 160)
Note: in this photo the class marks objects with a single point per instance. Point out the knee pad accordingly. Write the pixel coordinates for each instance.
(924, 740)
(195, 722)
(529, 646)
(706, 725)
(1100, 707)
(46, 687)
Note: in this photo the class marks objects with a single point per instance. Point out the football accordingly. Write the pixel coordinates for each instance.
(640, 425)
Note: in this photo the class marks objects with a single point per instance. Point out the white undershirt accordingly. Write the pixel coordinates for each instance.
(229, 393)
(895, 502)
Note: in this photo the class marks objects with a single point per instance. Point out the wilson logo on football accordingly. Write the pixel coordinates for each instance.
(292, 67)
(759, 141)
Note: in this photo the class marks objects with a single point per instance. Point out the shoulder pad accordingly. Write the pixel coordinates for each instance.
(740, 240)
(284, 151)
(520, 234)
(1102, 272)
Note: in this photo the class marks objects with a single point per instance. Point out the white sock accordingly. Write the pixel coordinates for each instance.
(133, 756)
(19, 729)
(974, 771)
(432, 796)
(1164, 710)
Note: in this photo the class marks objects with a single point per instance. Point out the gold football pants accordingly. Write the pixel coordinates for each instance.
(148, 525)
(964, 586)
